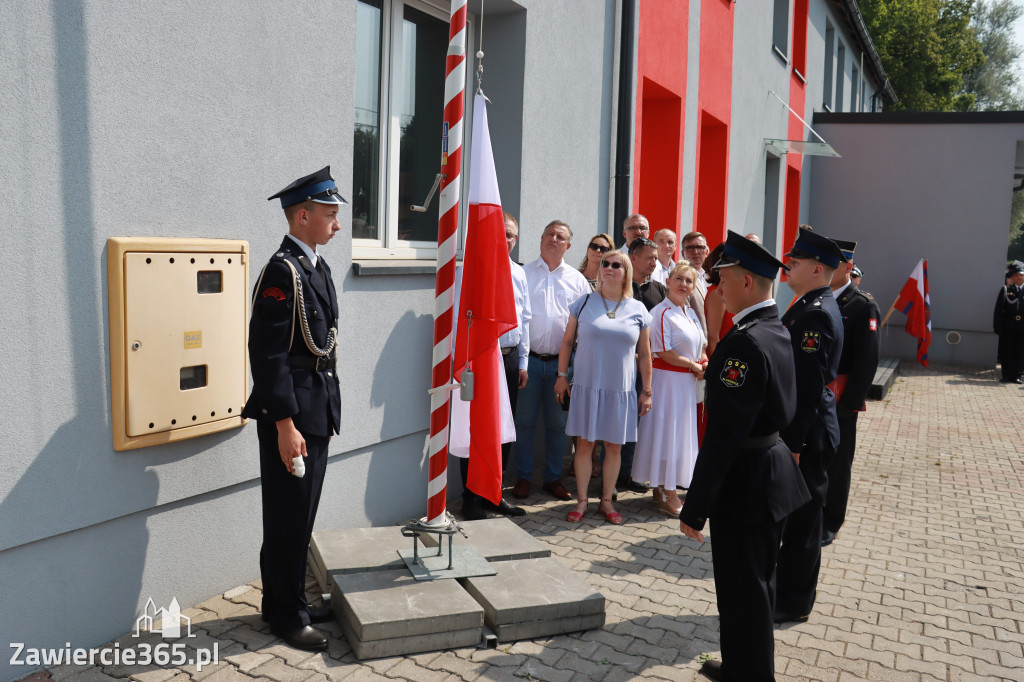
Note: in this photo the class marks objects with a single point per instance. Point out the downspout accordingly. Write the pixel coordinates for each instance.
(624, 118)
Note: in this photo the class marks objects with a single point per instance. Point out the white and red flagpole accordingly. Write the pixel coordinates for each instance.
(447, 231)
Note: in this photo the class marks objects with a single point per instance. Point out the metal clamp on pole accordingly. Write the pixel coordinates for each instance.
(430, 195)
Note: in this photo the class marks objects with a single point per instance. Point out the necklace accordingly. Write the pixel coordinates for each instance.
(610, 313)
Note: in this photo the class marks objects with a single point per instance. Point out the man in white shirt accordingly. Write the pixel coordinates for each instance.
(633, 227)
(666, 241)
(553, 286)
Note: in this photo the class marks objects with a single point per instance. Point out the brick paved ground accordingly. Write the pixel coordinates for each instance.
(925, 582)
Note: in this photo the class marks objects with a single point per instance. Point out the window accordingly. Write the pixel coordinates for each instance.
(780, 29)
(830, 48)
(399, 101)
(840, 77)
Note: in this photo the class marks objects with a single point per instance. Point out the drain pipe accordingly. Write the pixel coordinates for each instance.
(624, 119)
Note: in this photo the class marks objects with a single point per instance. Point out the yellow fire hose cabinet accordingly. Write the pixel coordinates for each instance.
(179, 315)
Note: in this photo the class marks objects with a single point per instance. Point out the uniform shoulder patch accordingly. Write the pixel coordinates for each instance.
(733, 373)
(872, 324)
(274, 293)
(866, 295)
(811, 342)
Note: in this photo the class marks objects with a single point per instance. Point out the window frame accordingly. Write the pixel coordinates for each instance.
(388, 245)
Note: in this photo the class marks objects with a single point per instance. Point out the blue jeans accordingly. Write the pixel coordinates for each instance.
(537, 395)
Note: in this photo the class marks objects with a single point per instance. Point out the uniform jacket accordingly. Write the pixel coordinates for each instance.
(281, 388)
(860, 347)
(1009, 312)
(816, 331)
(751, 392)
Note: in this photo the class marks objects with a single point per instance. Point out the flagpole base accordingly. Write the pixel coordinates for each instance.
(461, 562)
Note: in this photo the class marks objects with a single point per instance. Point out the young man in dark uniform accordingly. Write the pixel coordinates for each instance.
(816, 330)
(745, 479)
(1008, 323)
(295, 400)
(857, 367)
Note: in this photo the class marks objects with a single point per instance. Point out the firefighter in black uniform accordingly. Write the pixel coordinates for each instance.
(1008, 323)
(816, 329)
(295, 400)
(856, 372)
(745, 480)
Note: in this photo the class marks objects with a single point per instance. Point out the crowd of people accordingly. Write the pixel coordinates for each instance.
(623, 353)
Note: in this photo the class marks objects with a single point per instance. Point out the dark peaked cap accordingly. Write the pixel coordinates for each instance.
(749, 255)
(817, 247)
(848, 249)
(318, 187)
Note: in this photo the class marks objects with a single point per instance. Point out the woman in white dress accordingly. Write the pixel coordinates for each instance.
(610, 328)
(666, 448)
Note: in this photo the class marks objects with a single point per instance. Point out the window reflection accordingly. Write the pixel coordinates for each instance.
(420, 110)
(366, 149)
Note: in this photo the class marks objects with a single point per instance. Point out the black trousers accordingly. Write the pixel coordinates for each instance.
(289, 510)
(1011, 353)
(744, 549)
(800, 554)
(511, 365)
(839, 474)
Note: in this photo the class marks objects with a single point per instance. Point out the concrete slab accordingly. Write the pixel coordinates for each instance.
(399, 646)
(513, 632)
(355, 550)
(393, 604)
(886, 373)
(497, 539)
(530, 590)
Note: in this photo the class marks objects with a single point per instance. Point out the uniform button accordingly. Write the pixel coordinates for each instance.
(330, 374)
(263, 411)
(315, 313)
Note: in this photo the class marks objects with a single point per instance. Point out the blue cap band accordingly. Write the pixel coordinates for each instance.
(300, 194)
(829, 259)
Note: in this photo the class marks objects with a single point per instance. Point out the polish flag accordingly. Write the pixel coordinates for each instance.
(916, 304)
(486, 311)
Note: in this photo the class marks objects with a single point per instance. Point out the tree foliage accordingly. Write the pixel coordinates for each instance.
(994, 81)
(927, 48)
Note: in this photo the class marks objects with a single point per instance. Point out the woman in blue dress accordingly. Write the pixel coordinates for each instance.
(610, 329)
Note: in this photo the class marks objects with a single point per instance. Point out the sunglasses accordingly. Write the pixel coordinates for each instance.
(613, 264)
(599, 247)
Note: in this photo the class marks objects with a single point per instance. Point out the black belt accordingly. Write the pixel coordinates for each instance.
(507, 349)
(545, 358)
(310, 362)
(759, 442)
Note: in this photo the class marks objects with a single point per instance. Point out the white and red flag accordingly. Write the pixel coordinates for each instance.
(915, 303)
(486, 311)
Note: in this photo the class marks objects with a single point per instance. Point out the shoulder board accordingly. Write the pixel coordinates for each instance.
(865, 295)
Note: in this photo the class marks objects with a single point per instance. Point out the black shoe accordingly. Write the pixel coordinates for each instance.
(1018, 380)
(783, 617)
(320, 614)
(712, 669)
(827, 538)
(305, 638)
(633, 486)
(472, 510)
(504, 508)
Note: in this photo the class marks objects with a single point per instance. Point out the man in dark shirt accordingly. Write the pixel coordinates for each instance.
(1008, 323)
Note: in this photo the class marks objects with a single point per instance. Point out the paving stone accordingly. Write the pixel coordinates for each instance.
(279, 671)
(497, 539)
(355, 550)
(389, 604)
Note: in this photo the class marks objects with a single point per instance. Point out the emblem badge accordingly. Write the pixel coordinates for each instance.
(873, 324)
(274, 293)
(811, 342)
(733, 373)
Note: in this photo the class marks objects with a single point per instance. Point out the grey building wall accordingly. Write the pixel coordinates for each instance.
(935, 186)
(149, 119)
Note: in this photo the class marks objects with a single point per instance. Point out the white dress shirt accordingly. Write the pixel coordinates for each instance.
(551, 293)
(520, 336)
(312, 255)
(660, 273)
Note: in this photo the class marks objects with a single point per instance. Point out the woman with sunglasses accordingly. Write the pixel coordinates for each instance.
(666, 448)
(610, 328)
(600, 244)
